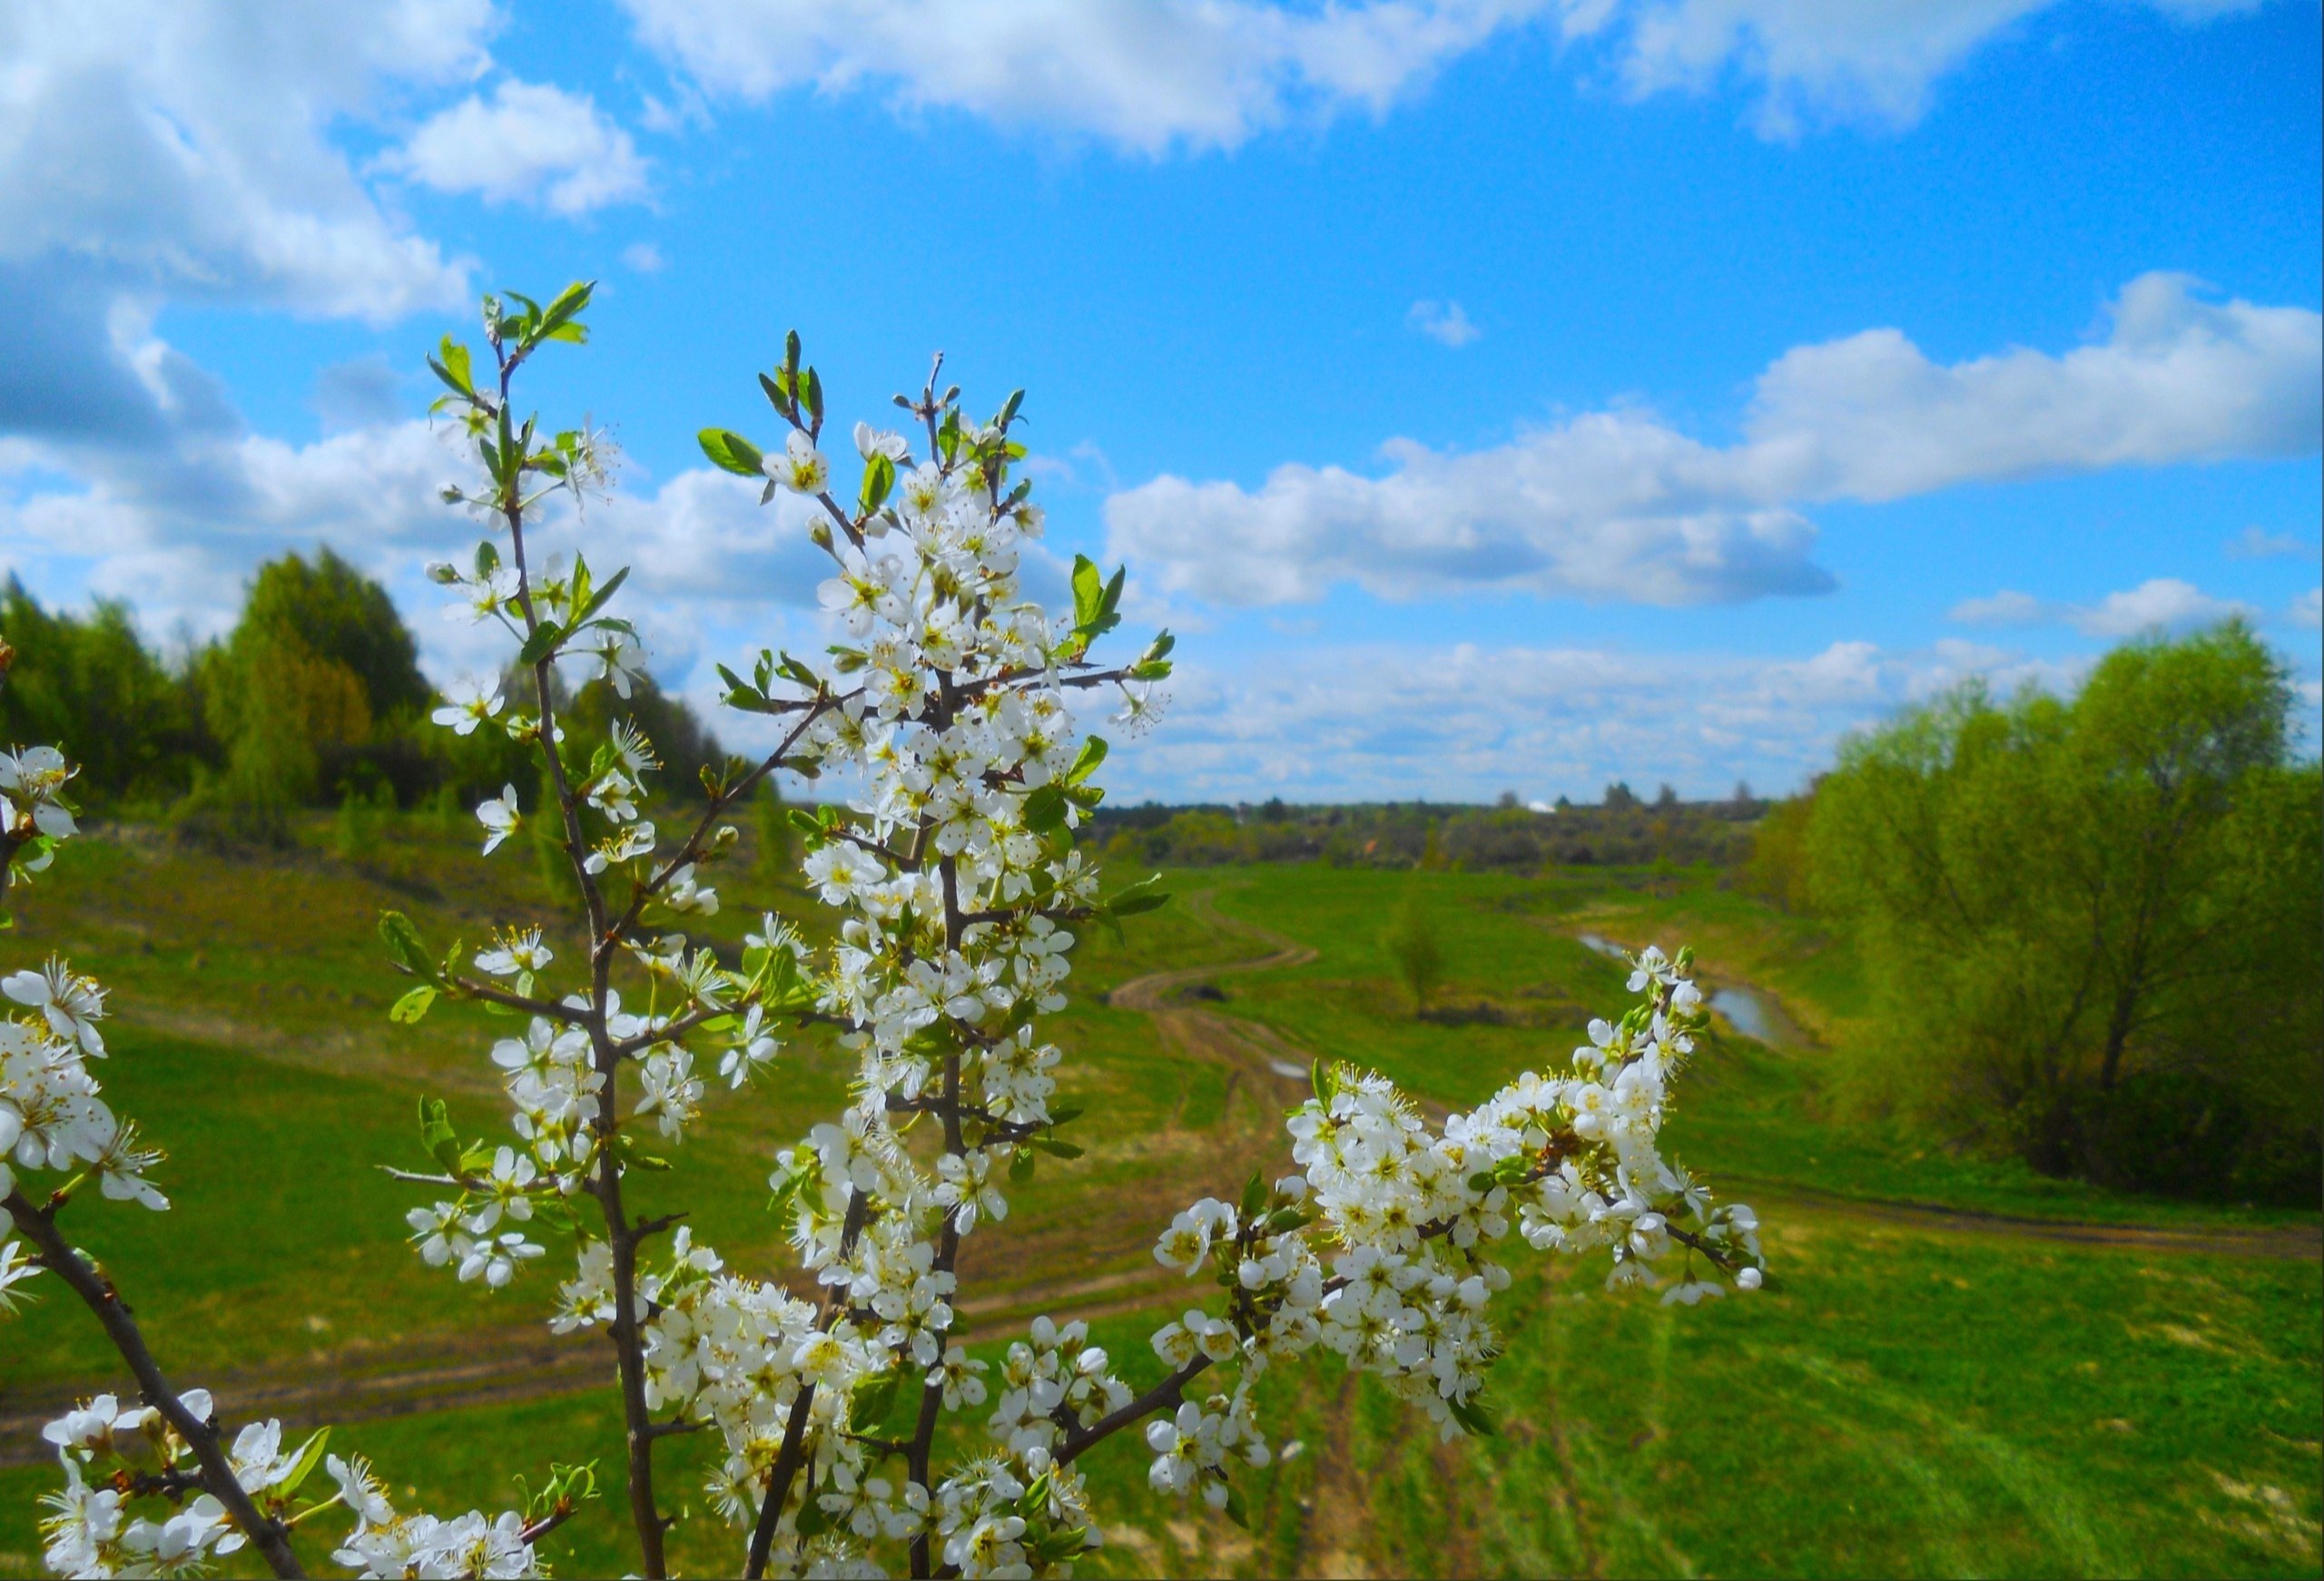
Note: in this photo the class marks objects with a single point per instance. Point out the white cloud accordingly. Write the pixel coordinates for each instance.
(1148, 75)
(1608, 506)
(178, 531)
(1618, 505)
(2308, 609)
(533, 142)
(1151, 75)
(2162, 602)
(183, 146)
(181, 151)
(1465, 721)
(1444, 322)
(2256, 543)
(643, 257)
(2004, 608)
(1814, 60)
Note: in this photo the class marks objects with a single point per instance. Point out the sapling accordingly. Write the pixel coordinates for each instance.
(944, 720)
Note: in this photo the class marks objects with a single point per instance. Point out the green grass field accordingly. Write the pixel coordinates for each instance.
(1927, 1386)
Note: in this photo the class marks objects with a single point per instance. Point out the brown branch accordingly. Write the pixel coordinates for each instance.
(628, 1347)
(105, 1302)
(1164, 1396)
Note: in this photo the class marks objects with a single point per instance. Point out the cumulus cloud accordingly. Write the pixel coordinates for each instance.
(182, 151)
(1812, 60)
(185, 147)
(1443, 322)
(2308, 609)
(1147, 76)
(2162, 603)
(1465, 721)
(177, 532)
(532, 142)
(1619, 505)
(2005, 608)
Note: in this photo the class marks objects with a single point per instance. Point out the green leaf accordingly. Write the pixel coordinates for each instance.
(597, 600)
(1088, 589)
(813, 397)
(1234, 1511)
(1093, 752)
(409, 1010)
(871, 1404)
(1020, 1166)
(542, 643)
(812, 1520)
(1472, 1417)
(1255, 1196)
(1053, 1147)
(1139, 899)
(879, 477)
(1045, 809)
(436, 1135)
(404, 943)
(778, 390)
(557, 322)
(309, 1457)
(731, 452)
(451, 364)
(1325, 1081)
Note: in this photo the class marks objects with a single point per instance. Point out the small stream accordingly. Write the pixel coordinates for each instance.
(1740, 1008)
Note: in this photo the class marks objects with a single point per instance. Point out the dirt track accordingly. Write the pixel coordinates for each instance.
(1265, 1072)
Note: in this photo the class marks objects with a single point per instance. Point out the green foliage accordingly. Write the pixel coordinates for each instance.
(777, 858)
(355, 830)
(2094, 926)
(136, 729)
(1776, 869)
(337, 615)
(1411, 944)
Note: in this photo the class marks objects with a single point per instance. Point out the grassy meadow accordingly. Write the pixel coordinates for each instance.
(1957, 1367)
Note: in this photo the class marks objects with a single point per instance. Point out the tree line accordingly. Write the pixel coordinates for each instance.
(1623, 830)
(314, 697)
(2094, 926)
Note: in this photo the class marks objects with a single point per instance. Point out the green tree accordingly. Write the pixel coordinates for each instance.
(1409, 940)
(338, 614)
(93, 680)
(2067, 907)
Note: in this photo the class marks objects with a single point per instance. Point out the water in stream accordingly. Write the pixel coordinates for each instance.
(1739, 1007)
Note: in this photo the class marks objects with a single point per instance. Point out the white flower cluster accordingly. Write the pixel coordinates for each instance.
(1410, 1215)
(113, 1453)
(387, 1545)
(53, 1111)
(953, 866)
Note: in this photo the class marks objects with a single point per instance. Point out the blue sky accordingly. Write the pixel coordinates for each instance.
(1493, 393)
